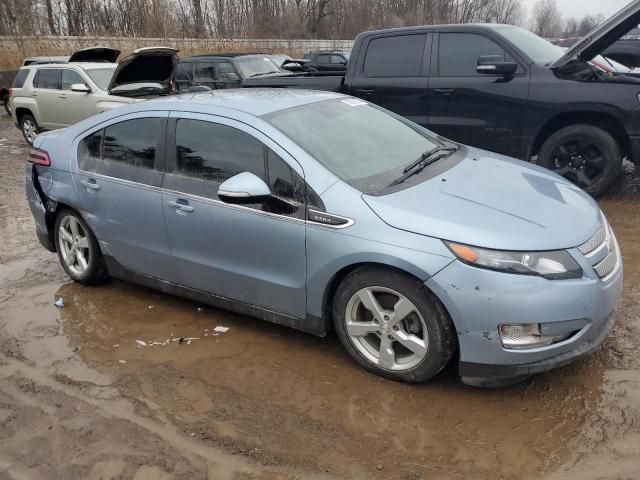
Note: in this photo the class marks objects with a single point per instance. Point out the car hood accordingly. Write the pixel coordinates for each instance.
(146, 65)
(493, 202)
(601, 37)
(95, 54)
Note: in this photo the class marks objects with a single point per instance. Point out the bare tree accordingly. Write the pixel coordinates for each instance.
(547, 21)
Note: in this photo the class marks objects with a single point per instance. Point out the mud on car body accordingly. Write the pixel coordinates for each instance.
(414, 248)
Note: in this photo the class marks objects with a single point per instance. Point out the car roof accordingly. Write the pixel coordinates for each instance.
(83, 65)
(223, 56)
(253, 101)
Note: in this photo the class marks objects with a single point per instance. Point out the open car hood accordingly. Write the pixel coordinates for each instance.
(95, 54)
(146, 65)
(601, 37)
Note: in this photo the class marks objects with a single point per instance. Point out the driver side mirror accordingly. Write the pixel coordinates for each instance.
(244, 187)
(80, 87)
(494, 64)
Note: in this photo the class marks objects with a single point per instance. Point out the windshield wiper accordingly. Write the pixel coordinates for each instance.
(426, 159)
(263, 73)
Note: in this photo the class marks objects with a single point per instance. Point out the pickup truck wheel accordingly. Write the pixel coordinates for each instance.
(29, 128)
(585, 155)
(391, 325)
(7, 105)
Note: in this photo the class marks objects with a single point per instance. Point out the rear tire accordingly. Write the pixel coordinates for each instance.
(78, 249)
(410, 338)
(585, 155)
(29, 128)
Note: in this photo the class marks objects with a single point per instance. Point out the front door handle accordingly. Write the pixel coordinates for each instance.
(90, 185)
(34, 94)
(444, 91)
(366, 92)
(181, 205)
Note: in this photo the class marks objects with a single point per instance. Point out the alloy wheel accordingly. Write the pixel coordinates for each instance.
(74, 245)
(30, 130)
(386, 328)
(580, 161)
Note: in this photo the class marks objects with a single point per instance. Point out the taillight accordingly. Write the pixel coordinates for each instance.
(39, 157)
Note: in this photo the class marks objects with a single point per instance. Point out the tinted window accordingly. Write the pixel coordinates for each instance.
(47, 78)
(458, 53)
(399, 56)
(324, 59)
(214, 152)
(133, 142)
(21, 76)
(338, 59)
(69, 77)
(89, 151)
(205, 71)
(226, 71)
(183, 72)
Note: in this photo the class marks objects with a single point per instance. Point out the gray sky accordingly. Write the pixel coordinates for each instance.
(579, 8)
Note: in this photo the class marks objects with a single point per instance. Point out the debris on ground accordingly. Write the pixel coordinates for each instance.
(59, 303)
(122, 361)
(200, 309)
(221, 329)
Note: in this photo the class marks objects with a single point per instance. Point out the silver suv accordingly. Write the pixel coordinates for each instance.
(50, 96)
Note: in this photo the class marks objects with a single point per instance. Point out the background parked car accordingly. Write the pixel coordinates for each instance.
(326, 61)
(223, 71)
(503, 89)
(49, 96)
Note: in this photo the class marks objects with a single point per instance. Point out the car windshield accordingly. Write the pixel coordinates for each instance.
(101, 76)
(254, 66)
(536, 48)
(364, 145)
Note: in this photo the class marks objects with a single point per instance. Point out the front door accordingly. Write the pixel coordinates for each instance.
(394, 74)
(485, 111)
(74, 106)
(253, 254)
(118, 177)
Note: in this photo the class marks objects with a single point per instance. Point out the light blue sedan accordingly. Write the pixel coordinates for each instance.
(317, 210)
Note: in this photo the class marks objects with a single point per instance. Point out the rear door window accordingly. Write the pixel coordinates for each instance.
(130, 150)
(397, 56)
(19, 79)
(205, 72)
(47, 78)
(324, 59)
(458, 53)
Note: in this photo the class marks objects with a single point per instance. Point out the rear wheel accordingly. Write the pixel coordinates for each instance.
(392, 325)
(78, 249)
(29, 128)
(585, 155)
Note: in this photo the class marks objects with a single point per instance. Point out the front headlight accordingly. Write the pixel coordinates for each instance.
(554, 265)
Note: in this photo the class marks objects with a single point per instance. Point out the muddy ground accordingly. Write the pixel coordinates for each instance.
(79, 399)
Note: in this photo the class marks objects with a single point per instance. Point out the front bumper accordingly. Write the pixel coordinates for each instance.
(480, 300)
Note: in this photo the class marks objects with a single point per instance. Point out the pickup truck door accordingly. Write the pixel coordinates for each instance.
(392, 73)
(477, 109)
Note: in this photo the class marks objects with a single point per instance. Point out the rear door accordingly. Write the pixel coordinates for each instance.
(119, 168)
(253, 254)
(478, 109)
(46, 91)
(205, 74)
(392, 73)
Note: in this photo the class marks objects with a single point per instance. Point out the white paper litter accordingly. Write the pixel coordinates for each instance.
(122, 361)
(141, 343)
(221, 329)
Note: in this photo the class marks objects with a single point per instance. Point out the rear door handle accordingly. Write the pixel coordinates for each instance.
(181, 205)
(90, 184)
(444, 91)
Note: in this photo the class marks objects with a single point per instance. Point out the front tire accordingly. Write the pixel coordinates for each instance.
(391, 325)
(29, 128)
(78, 249)
(585, 155)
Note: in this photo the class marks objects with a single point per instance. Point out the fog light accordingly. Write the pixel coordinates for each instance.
(526, 335)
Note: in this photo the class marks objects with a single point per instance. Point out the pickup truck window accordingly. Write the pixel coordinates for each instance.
(458, 53)
(397, 56)
(362, 144)
(535, 47)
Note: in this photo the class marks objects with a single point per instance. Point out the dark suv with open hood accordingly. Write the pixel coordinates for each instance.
(49, 96)
(503, 89)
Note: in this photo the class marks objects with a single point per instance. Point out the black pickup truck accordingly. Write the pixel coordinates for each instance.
(501, 88)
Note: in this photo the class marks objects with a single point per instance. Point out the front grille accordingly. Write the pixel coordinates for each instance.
(606, 266)
(594, 242)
